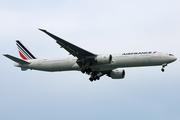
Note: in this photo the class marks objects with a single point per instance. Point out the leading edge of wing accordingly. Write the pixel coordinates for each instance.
(71, 48)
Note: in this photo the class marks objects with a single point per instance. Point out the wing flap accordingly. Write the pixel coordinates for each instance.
(15, 59)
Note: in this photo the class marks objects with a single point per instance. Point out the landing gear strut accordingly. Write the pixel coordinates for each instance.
(163, 66)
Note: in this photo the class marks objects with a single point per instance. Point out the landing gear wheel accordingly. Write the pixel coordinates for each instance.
(97, 78)
(162, 69)
(91, 79)
(83, 71)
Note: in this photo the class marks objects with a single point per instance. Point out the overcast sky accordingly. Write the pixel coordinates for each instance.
(99, 26)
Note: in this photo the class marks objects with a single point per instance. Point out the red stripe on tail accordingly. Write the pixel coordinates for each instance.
(23, 57)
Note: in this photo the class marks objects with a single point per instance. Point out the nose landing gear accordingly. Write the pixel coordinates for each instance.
(163, 66)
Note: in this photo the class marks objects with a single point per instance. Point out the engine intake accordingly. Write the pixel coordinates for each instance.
(117, 74)
(104, 59)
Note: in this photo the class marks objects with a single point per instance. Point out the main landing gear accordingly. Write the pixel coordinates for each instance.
(94, 74)
(86, 70)
(163, 66)
(94, 78)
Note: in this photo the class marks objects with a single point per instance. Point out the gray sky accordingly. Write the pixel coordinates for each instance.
(99, 26)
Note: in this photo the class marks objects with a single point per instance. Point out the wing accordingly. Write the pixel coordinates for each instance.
(85, 58)
(72, 49)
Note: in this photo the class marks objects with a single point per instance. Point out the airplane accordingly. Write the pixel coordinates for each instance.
(95, 65)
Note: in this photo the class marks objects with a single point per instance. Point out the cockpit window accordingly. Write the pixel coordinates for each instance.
(171, 55)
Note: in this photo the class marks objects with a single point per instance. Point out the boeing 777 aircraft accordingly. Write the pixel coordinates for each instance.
(92, 64)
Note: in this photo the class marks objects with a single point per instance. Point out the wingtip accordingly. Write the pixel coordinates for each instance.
(42, 30)
(6, 55)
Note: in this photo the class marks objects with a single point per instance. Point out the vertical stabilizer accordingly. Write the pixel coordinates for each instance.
(24, 52)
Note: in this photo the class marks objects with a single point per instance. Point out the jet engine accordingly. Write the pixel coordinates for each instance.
(117, 74)
(104, 59)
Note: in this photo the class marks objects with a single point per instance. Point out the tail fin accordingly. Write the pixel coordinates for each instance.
(24, 52)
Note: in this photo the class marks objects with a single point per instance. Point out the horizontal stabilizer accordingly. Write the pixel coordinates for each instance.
(20, 61)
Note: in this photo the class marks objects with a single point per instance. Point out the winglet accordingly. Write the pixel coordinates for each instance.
(42, 30)
(51, 35)
(15, 59)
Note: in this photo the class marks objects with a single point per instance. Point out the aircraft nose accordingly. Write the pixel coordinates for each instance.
(171, 58)
(175, 58)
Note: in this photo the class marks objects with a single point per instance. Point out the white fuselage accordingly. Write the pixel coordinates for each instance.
(118, 61)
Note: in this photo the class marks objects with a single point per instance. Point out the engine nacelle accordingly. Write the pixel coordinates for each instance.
(104, 59)
(117, 74)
